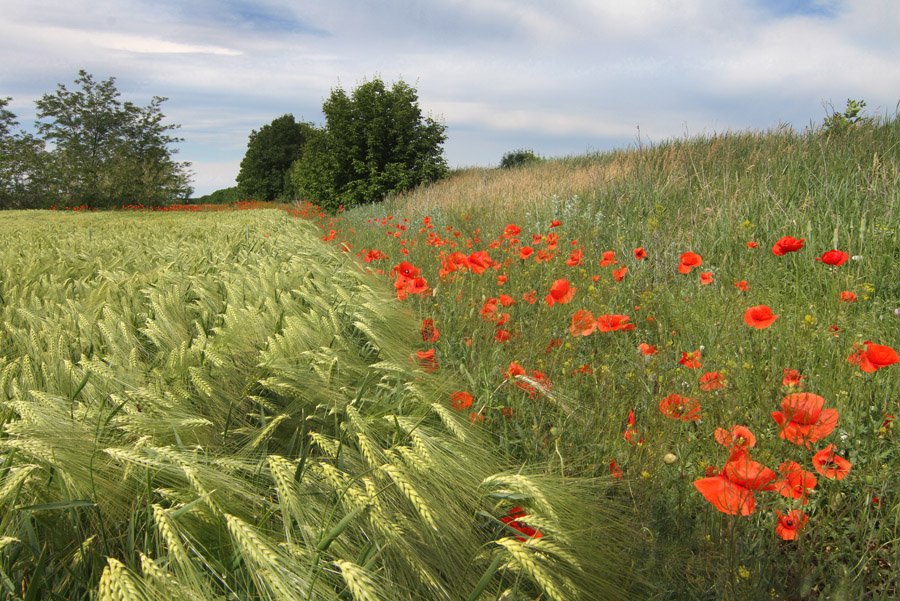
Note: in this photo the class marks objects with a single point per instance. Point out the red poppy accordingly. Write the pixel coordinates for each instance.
(640, 253)
(619, 274)
(731, 491)
(847, 297)
(511, 230)
(804, 419)
(689, 260)
(488, 311)
(529, 297)
(501, 335)
(646, 349)
(615, 470)
(429, 332)
(874, 357)
(792, 378)
(461, 400)
(525, 252)
(712, 380)
(406, 270)
(613, 323)
(555, 223)
(501, 279)
(609, 258)
(583, 323)
(834, 257)
(796, 482)
(788, 244)
(630, 434)
(427, 360)
(506, 300)
(560, 292)
(680, 407)
(790, 523)
(575, 258)
(476, 416)
(742, 285)
(752, 244)
(740, 438)
(691, 360)
(479, 261)
(830, 464)
(513, 370)
(706, 277)
(512, 518)
(759, 317)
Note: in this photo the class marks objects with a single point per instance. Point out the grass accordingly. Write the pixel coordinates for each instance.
(219, 403)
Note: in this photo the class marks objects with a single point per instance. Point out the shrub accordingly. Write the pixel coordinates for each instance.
(518, 158)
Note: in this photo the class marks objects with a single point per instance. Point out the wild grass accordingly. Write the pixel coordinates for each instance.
(219, 406)
(710, 195)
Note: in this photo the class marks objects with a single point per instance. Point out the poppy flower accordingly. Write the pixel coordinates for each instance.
(803, 418)
(646, 349)
(706, 277)
(874, 357)
(613, 323)
(680, 407)
(619, 274)
(731, 491)
(479, 262)
(759, 317)
(834, 257)
(529, 297)
(609, 258)
(513, 370)
(847, 297)
(630, 434)
(501, 279)
(575, 258)
(712, 380)
(792, 378)
(506, 300)
(689, 260)
(560, 292)
(830, 464)
(742, 285)
(501, 335)
(429, 332)
(511, 230)
(739, 438)
(615, 470)
(790, 523)
(512, 518)
(752, 244)
(640, 253)
(583, 323)
(525, 252)
(427, 360)
(543, 256)
(796, 482)
(460, 400)
(555, 223)
(691, 360)
(788, 244)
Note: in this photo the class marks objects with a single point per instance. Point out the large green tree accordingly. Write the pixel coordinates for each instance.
(375, 142)
(24, 177)
(270, 153)
(105, 152)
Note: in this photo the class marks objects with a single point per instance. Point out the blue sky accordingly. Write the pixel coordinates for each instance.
(561, 77)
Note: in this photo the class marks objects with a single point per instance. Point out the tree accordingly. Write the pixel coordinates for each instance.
(24, 176)
(106, 152)
(375, 142)
(518, 158)
(270, 153)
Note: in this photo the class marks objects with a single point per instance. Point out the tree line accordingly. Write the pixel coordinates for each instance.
(90, 149)
(375, 142)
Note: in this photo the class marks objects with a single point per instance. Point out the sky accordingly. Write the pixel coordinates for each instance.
(561, 77)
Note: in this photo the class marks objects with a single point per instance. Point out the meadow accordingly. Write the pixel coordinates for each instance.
(667, 372)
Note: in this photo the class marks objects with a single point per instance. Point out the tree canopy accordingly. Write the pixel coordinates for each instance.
(375, 142)
(270, 153)
(92, 149)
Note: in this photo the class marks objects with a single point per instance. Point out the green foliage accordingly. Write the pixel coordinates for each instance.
(225, 196)
(93, 150)
(213, 406)
(839, 123)
(375, 143)
(270, 153)
(518, 158)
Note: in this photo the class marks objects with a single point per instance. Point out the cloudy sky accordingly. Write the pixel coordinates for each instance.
(561, 77)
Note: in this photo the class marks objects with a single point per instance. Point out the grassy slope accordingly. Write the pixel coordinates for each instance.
(710, 196)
